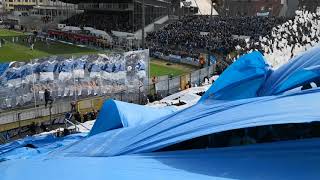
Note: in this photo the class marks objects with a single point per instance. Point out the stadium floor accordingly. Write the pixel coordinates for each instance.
(161, 68)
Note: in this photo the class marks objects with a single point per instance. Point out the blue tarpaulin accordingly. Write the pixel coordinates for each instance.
(116, 114)
(250, 76)
(300, 70)
(233, 102)
(20, 149)
(294, 160)
(240, 80)
(201, 119)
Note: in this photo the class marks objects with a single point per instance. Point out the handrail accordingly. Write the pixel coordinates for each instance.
(75, 124)
(78, 123)
(68, 121)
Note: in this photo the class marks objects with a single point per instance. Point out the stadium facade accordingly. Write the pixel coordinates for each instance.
(125, 15)
(21, 5)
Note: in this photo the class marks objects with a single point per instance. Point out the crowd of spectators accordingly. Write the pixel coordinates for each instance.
(218, 35)
(278, 38)
(288, 39)
(309, 5)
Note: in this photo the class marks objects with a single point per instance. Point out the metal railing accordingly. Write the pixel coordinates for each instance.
(162, 87)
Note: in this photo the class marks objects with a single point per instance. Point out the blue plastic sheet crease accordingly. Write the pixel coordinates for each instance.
(116, 114)
(42, 144)
(202, 119)
(240, 80)
(294, 160)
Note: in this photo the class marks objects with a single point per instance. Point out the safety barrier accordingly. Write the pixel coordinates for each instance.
(162, 87)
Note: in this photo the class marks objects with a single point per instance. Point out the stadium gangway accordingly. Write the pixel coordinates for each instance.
(76, 125)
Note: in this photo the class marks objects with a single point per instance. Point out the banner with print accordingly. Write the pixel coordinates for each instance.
(78, 77)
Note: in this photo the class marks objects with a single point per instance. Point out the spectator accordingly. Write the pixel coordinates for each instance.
(47, 98)
(77, 116)
(93, 115)
(73, 106)
(220, 35)
(85, 117)
(188, 85)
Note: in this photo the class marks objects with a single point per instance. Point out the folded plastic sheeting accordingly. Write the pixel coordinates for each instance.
(240, 80)
(250, 76)
(300, 70)
(283, 160)
(201, 119)
(116, 114)
(30, 147)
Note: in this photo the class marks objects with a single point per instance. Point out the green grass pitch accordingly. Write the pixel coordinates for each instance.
(20, 51)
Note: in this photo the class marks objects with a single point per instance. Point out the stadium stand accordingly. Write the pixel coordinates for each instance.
(196, 34)
(278, 38)
(310, 5)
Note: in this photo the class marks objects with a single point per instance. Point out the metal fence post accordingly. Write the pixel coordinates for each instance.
(199, 80)
(168, 86)
(140, 94)
(18, 116)
(50, 112)
(179, 85)
(190, 78)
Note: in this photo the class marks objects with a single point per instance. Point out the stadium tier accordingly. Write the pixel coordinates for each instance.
(310, 5)
(193, 35)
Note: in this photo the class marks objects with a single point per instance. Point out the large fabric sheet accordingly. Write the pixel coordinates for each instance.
(116, 114)
(240, 80)
(33, 146)
(201, 119)
(283, 160)
(112, 152)
(250, 76)
(303, 69)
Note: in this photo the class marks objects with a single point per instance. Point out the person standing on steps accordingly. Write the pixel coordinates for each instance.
(47, 98)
